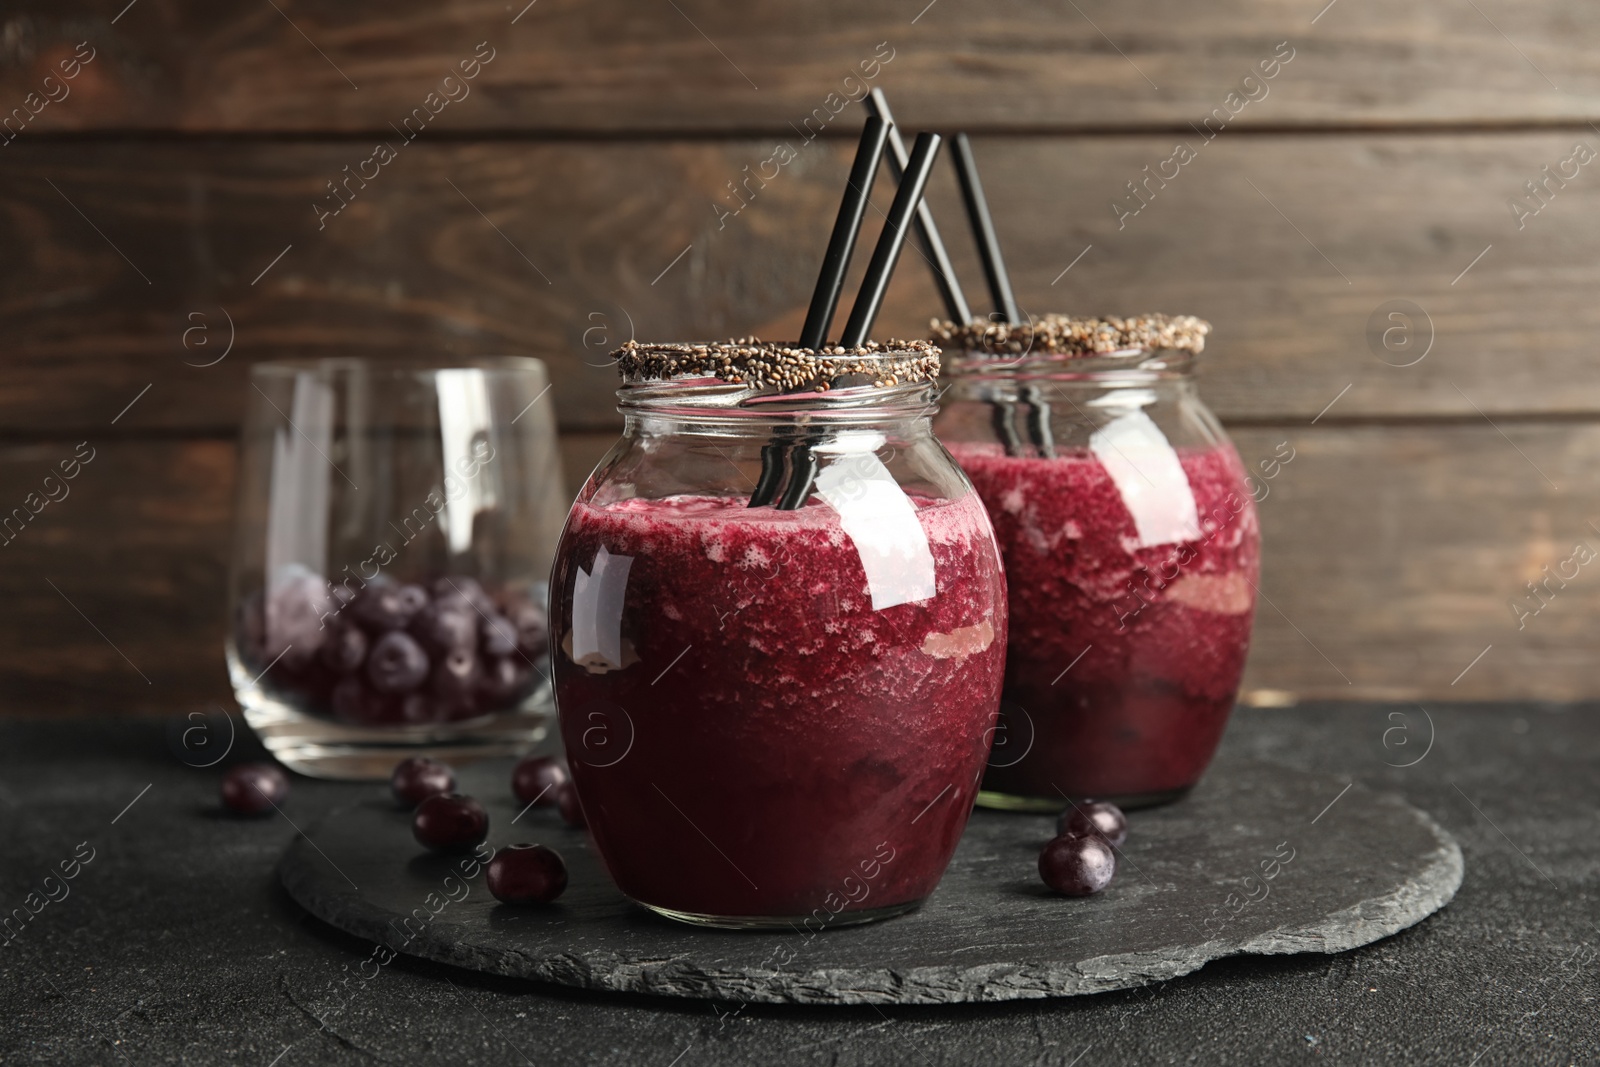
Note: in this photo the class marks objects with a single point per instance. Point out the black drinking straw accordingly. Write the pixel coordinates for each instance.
(1039, 422)
(876, 281)
(944, 274)
(994, 264)
(1005, 301)
(846, 227)
(803, 467)
(1002, 415)
(803, 463)
(775, 456)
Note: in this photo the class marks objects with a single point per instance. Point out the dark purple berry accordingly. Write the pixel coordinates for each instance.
(294, 614)
(416, 779)
(538, 779)
(1095, 817)
(450, 586)
(402, 655)
(504, 681)
(499, 636)
(344, 650)
(414, 709)
(526, 874)
(456, 706)
(412, 599)
(366, 600)
(396, 663)
(254, 788)
(571, 806)
(450, 822)
(462, 588)
(354, 703)
(459, 709)
(445, 625)
(346, 699)
(456, 675)
(383, 606)
(1077, 864)
(533, 628)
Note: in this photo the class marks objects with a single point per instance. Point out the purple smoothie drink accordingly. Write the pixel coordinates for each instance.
(777, 716)
(1132, 550)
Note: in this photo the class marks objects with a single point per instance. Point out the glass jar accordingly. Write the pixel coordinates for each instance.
(395, 526)
(1131, 547)
(778, 636)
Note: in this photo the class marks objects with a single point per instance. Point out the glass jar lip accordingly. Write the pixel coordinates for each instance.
(702, 397)
(1141, 364)
(402, 365)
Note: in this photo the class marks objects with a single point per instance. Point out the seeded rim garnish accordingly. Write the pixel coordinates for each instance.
(1076, 336)
(783, 367)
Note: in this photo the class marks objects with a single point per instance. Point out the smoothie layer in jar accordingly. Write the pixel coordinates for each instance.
(1124, 657)
(749, 734)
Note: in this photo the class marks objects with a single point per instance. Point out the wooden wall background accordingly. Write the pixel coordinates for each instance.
(577, 186)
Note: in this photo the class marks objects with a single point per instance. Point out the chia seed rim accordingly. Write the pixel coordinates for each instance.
(770, 369)
(1058, 337)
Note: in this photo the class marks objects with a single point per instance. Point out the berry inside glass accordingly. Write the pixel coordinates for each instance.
(385, 653)
(776, 716)
(394, 526)
(1132, 554)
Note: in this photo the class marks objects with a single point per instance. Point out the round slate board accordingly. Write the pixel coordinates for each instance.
(1347, 867)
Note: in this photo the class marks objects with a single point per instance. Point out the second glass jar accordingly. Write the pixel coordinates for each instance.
(1132, 551)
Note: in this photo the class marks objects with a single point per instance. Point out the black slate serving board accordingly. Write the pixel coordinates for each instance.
(1347, 866)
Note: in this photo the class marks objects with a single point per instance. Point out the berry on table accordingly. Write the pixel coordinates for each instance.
(416, 779)
(526, 874)
(538, 779)
(254, 788)
(1077, 864)
(1095, 817)
(450, 822)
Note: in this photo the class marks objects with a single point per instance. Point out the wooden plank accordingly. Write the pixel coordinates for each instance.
(124, 254)
(721, 65)
(114, 594)
(1393, 557)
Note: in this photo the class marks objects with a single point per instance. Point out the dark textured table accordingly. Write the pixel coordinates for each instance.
(174, 943)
